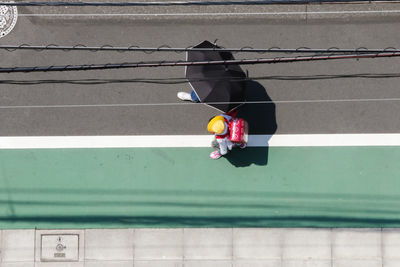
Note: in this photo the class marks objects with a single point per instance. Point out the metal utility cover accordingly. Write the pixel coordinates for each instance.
(61, 247)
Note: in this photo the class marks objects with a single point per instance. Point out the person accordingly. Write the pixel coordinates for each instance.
(192, 96)
(219, 126)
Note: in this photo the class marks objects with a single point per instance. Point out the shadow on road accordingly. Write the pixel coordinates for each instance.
(297, 209)
(262, 120)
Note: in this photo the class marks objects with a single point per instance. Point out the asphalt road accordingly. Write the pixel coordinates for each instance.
(344, 186)
(292, 81)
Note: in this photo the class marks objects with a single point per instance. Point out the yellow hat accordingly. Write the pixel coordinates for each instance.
(216, 125)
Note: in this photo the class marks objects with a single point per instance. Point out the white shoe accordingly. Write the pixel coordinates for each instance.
(184, 96)
(215, 154)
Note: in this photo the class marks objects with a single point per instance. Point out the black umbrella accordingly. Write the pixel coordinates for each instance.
(216, 83)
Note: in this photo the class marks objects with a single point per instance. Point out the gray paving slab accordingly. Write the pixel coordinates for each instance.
(158, 263)
(59, 264)
(109, 244)
(257, 263)
(254, 243)
(356, 263)
(109, 263)
(208, 244)
(364, 244)
(306, 263)
(391, 263)
(158, 244)
(17, 246)
(17, 264)
(209, 263)
(391, 244)
(306, 244)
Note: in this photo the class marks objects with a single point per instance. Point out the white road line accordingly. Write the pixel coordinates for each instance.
(289, 140)
(216, 14)
(191, 103)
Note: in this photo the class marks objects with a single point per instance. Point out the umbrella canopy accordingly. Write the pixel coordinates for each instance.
(216, 83)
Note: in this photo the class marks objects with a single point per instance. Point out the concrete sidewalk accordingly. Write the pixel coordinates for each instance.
(194, 247)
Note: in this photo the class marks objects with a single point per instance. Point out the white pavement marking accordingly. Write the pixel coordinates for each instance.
(208, 103)
(219, 14)
(216, 13)
(8, 19)
(289, 140)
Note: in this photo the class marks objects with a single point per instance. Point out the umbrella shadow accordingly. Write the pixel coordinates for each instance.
(262, 120)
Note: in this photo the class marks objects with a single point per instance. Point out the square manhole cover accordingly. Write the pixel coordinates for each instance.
(62, 247)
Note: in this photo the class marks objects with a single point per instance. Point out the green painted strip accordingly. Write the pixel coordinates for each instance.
(182, 187)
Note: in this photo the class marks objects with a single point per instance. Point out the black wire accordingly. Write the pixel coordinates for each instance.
(166, 48)
(182, 3)
(184, 80)
(193, 63)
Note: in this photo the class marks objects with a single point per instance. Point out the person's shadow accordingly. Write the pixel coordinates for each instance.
(261, 118)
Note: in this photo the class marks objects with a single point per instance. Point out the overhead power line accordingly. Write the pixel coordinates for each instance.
(191, 63)
(182, 80)
(181, 3)
(166, 48)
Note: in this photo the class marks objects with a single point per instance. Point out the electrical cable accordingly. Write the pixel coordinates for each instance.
(166, 48)
(192, 63)
(184, 80)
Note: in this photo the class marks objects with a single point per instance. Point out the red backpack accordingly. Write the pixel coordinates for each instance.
(238, 130)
